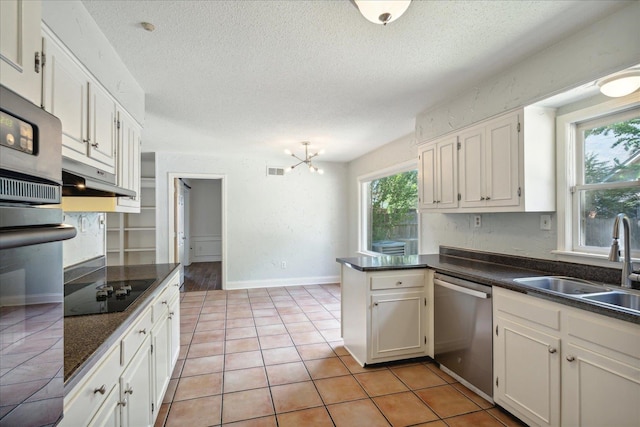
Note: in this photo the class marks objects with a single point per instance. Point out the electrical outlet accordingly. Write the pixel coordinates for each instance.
(545, 222)
(283, 265)
(477, 221)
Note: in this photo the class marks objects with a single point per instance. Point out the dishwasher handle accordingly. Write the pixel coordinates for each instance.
(457, 288)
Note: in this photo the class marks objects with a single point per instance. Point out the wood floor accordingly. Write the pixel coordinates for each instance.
(203, 276)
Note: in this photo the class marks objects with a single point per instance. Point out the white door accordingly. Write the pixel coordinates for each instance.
(186, 259)
(179, 225)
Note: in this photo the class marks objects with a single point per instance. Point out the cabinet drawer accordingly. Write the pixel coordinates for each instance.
(528, 309)
(135, 337)
(90, 395)
(397, 280)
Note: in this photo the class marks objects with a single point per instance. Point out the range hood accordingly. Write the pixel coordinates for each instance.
(81, 180)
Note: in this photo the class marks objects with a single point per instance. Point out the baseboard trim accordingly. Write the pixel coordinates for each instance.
(275, 283)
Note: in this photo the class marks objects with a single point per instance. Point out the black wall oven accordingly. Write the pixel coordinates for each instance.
(31, 267)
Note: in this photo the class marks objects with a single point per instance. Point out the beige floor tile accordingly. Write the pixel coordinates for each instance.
(210, 316)
(275, 341)
(209, 308)
(199, 386)
(248, 359)
(171, 390)
(289, 308)
(404, 409)
(339, 389)
(287, 373)
(339, 349)
(325, 368)
(381, 382)
(300, 327)
(417, 376)
(244, 405)
(276, 356)
(269, 421)
(244, 379)
(474, 419)
(292, 397)
(439, 372)
(480, 401)
(320, 315)
(265, 330)
(162, 415)
(238, 333)
(234, 313)
(326, 324)
(202, 412)
(177, 370)
(243, 322)
(208, 336)
(315, 351)
(205, 349)
(265, 312)
(446, 401)
(294, 318)
(355, 368)
(270, 320)
(357, 413)
(331, 334)
(302, 338)
(242, 345)
(203, 365)
(210, 325)
(315, 417)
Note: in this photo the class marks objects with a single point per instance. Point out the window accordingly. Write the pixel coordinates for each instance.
(606, 180)
(389, 220)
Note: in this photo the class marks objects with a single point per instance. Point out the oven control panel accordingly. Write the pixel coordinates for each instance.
(16, 134)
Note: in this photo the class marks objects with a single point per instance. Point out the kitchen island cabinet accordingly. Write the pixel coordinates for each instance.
(385, 315)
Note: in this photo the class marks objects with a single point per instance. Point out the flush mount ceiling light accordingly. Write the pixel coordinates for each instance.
(620, 84)
(382, 11)
(306, 160)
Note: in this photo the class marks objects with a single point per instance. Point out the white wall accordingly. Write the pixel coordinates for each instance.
(604, 47)
(300, 218)
(87, 244)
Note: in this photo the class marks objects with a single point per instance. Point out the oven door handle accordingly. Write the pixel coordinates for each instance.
(464, 290)
(34, 235)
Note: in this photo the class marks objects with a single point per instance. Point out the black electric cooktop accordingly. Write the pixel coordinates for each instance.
(100, 297)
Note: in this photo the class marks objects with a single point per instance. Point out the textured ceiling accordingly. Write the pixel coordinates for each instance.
(260, 76)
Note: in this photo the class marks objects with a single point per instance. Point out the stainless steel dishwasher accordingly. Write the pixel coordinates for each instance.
(463, 343)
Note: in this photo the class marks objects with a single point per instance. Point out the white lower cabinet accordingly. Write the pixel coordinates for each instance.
(126, 386)
(559, 366)
(385, 314)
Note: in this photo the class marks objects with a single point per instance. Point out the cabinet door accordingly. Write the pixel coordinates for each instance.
(161, 339)
(19, 42)
(174, 319)
(427, 177)
(128, 164)
(102, 110)
(501, 160)
(398, 324)
(527, 371)
(598, 390)
(447, 167)
(109, 414)
(136, 389)
(472, 168)
(65, 96)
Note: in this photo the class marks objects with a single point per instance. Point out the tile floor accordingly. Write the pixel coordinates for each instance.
(274, 357)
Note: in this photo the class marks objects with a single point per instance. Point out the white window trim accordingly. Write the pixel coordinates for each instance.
(566, 170)
(363, 180)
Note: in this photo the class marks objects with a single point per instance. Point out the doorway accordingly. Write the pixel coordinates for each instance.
(197, 229)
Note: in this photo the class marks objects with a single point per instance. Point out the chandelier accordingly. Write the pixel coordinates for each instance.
(382, 11)
(306, 160)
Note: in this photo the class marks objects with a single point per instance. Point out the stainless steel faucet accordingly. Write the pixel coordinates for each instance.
(614, 254)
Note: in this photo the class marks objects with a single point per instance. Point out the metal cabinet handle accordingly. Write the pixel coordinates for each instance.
(375, 303)
(570, 358)
(86, 141)
(488, 198)
(398, 283)
(122, 403)
(128, 391)
(94, 145)
(100, 390)
(552, 350)
(164, 302)
(143, 331)
(481, 198)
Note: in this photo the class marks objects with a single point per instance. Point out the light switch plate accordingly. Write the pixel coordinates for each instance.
(545, 222)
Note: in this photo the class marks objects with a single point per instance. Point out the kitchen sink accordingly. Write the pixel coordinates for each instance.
(618, 299)
(562, 285)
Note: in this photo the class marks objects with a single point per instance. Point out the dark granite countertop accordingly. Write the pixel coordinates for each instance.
(500, 270)
(87, 338)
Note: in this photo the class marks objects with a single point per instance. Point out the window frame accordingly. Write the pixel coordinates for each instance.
(568, 152)
(363, 202)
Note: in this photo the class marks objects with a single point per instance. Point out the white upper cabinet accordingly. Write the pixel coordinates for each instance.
(438, 174)
(87, 111)
(505, 164)
(128, 164)
(20, 46)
